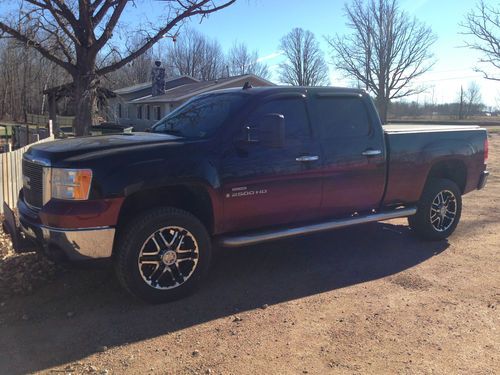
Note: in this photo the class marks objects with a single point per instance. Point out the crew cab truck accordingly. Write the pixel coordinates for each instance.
(239, 167)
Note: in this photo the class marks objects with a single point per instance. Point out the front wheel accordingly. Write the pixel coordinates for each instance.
(162, 255)
(438, 211)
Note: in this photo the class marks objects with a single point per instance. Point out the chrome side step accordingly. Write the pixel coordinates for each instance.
(270, 235)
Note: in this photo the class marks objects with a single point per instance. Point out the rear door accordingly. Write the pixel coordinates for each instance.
(265, 186)
(353, 151)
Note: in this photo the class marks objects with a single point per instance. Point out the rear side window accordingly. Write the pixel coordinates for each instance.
(342, 117)
(294, 111)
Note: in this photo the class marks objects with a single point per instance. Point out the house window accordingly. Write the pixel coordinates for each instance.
(119, 110)
(139, 112)
(148, 112)
(157, 112)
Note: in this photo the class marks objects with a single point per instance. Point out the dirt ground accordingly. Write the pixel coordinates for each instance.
(369, 299)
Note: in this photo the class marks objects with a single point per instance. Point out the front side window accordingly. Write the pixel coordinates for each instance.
(294, 112)
(201, 116)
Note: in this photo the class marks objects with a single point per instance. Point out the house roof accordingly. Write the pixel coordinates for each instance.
(130, 89)
(191, 89)
(145, 85)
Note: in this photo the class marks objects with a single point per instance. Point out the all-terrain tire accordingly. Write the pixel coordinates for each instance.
(438, 211)
(176, 270)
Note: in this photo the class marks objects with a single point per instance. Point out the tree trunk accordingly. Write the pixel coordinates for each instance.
(85, 103)
(461, 106)
(382, 107)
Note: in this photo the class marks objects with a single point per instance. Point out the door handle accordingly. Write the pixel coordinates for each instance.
(307, 158)
(371, 152)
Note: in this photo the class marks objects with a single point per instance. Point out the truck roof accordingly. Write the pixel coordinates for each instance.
(266, 90)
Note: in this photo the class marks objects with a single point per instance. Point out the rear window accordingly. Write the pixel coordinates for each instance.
(342, 117)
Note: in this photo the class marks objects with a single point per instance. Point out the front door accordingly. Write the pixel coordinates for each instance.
(264, 186)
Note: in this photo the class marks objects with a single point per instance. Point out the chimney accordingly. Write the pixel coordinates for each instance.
(157, 79)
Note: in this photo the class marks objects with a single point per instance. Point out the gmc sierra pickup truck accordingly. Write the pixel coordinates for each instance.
(238, 167)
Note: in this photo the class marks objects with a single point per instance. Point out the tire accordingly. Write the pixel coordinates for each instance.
(438, 211)
(162, 255)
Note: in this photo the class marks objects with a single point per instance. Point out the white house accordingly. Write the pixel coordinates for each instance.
(136, 106)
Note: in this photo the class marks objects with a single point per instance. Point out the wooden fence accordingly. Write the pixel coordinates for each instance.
(44, 120)
(11, 176)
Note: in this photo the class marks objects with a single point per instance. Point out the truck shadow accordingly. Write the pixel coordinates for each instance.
(240, 280)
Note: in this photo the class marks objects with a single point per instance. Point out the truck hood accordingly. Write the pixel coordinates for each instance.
(52, 152)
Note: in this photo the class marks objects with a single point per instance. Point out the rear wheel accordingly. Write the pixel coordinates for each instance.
(438, 211)
(163, 254)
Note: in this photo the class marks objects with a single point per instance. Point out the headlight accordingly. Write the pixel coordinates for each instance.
(73, 184)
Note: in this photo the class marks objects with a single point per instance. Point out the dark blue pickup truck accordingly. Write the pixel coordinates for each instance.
(240, 167)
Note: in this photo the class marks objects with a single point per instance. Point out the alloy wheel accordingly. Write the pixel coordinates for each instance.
(168, 257)
(443, 210)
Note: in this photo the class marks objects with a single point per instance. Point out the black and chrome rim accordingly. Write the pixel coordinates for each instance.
(168, 258)
(443, 210)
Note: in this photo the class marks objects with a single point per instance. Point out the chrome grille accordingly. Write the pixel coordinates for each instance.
(33, 183)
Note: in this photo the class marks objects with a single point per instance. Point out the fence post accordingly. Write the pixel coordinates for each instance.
(50, 128)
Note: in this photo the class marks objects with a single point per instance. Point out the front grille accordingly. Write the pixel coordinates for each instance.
(33, 183)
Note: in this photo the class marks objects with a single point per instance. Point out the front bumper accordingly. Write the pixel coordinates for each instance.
(71, 231)
(70, 244)
(483, 178)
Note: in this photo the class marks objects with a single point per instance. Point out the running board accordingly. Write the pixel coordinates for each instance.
(277, 234)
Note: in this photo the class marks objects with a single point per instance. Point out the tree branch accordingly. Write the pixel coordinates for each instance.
(195, 8)
(36, 45)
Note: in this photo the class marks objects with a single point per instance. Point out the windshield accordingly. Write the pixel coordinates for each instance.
(201, 116)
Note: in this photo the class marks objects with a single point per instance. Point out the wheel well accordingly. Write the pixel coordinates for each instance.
(192, 199)
(453, 170)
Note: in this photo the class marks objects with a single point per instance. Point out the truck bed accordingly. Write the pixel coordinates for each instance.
(413, 149)
(423, 128)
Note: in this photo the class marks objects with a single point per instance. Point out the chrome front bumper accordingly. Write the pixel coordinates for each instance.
(72, 244)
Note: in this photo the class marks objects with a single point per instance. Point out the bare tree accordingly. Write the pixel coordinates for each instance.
(24, 74)
(473, 98)
(195, 55)
(386, 50)
(136, 71)
(483, 25)
(304, 64)
(72, 34)
(469, 101)
(214, 61)
(243, 61)
(461, 103)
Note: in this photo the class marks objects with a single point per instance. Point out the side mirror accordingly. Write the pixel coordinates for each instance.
(272, 130)
(269, 132)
